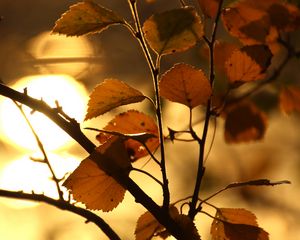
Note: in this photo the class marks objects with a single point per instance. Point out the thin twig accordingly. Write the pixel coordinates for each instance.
(201, 169)
(42, 149)
(148, 174)
(64, 205)
(139, 35)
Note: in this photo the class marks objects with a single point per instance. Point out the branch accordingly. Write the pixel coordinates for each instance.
(64, 205)
(74, 131)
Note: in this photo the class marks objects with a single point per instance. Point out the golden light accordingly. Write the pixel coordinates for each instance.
(70, 94)
(55, 53)
(29, 176)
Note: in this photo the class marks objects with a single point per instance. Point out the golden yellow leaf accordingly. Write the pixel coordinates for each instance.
(90, 183)
(209, 7)
(173, 31)
(240, 67)
(132, 122)
(236, 224)
(185, 84)
(289, 99)
(244, 122)
(110, 94)
(85, 18)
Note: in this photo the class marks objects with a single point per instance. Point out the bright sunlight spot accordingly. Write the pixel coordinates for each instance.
(71, 95)
(60, 54)
(27, 176)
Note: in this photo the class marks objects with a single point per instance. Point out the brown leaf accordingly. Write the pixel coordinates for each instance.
(132, 122)
(90, 183)
(188, 226)
(110, 94)
(289, 99)
(185, 84)
(240, 68)
(236, 224)
(85, 18)
(244, 122)
(209, 7)
(147, 226)
(173, 31)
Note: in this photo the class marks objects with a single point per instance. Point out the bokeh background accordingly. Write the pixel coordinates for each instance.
(67, 69)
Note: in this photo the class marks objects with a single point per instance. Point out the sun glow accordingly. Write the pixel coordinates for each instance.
(29, 176)
(71, 95)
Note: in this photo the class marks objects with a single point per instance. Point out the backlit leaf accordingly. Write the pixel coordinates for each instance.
(188, 227)
(236, 224)
(290, 99)
(90, 183)
(261, 54)
(147, 226)
(110, 94)
(132, 122)
(185, 84)
(209, 7)
(85, 18)
(244, 122)
(240, 67)
(173, 31)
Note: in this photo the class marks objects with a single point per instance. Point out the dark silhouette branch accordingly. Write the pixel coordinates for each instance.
(73, 129)
(64, 205)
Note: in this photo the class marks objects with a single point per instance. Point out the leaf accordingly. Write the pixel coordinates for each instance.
(236, 224)
(244, 122)
(240, 68)
(147, 226)
(209, 7)
(110, 94)
(257, 182)
(173, 31)
(132, 122)
(261, 54)
(188, 226)
(186, 85)
(289, 99)
(85, 18)
(90, 182)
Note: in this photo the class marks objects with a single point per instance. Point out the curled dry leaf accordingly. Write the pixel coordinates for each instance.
(248, 64)
(173, 31)
(92, 182)
(85, 18)
(110, 94)
(131, 122)
(186, 85)
(289, 99)
(244, 122)
(235, 224)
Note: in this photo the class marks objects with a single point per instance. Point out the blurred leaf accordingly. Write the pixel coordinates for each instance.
(110, 94)
(209, 7)
(240, 67)
(236, 224)
(85, 18)
(289, 99)
(147, 226)
(256, 22)
(90, 183)
(244, 122)
(261, 54)
(186, 85)
(257, 182)
(173, 31)
(132, 122)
